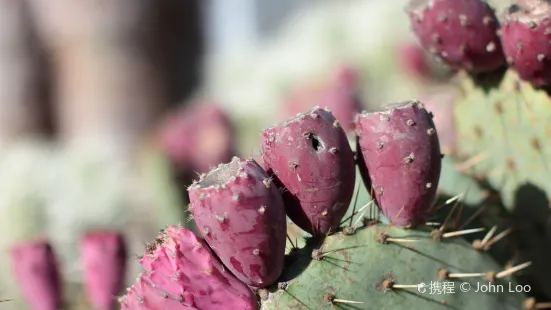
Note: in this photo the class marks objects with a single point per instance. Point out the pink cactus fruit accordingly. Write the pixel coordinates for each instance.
(240, 212)
(104, 260)
(399, 157)
(181, 272)
(36, 271)
(525, 37)
(347, 76)
(413, 60)
(310, 159)
(340, 95)
(198, 137)
(461, 33)
(441, 102)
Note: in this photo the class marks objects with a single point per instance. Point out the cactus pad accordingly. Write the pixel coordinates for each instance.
(358, 272)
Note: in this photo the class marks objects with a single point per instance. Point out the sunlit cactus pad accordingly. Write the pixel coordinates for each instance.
(357, 272)
(506, 124)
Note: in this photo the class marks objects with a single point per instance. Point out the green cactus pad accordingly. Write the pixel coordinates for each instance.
(508, 122)
(453, 182)
(355, 268)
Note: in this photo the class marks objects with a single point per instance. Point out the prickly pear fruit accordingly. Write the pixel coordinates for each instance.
(104, 260)
(36, 270)
(340, 95)
(198, 137)
(413, 60)
(399, 158)
(461, 33)
(182, 273)
(146, 295)
(310, 158)
(240, 212)
(525, 38)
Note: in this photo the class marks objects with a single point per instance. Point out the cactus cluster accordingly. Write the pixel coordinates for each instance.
(308, 169)
(308, 173)
(498, 119)
(420, 253)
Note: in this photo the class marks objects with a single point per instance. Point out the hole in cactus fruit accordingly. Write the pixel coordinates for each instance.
(316, 143)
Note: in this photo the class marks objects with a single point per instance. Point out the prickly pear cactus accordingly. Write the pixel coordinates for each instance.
(500, 119)
(379, 267)
(505, 124)
(368, 265)
(502, 124)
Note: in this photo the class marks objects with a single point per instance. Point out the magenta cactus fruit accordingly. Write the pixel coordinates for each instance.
(240, 213)
(413, 60)
(104, 262)
(460, 33)
(526, 33)
(340, 95)
(399, 159)
(311, 160)
(197, 137)
(145, 295)
(182, 273)
(36, 270)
